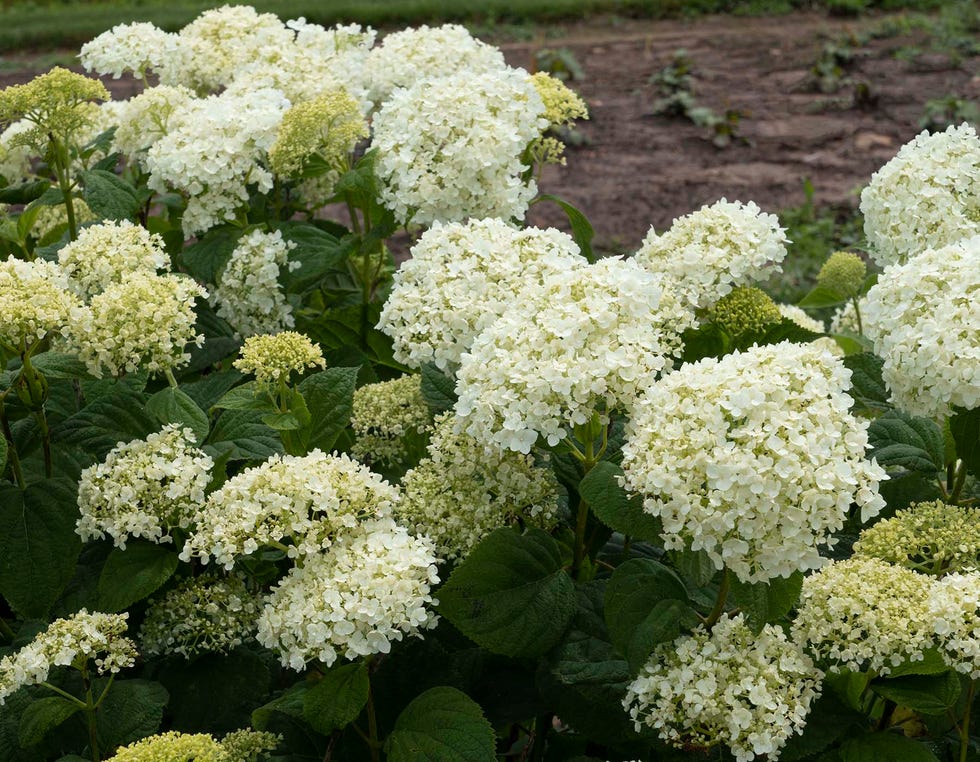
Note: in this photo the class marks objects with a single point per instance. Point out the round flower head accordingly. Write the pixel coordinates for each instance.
(843, 273)
(462, 491)
(248, 294)
(201, 615)
(754, 458)
(34, 301)
(142, 321)
(561, 107)
(370, 589)
(932, 538)
(450, 149)
(748, 691)
(172, 746)
(145, 118)
(710, 251)
(461, 278)
(144, 488)
(864, 614)
(954, 612)
(927, 197)
(924, 320)
(67, 642)
(271, 358)
(105, 253)
(589, 338)
(213, 151)
(745, 310)
(384, 415)
(412, 55)
(328, 127)
(303, 500)
(139, 48)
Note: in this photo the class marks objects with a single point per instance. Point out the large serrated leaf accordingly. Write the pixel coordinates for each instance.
(867, 386)
(208, 256)
(821, 296)
(926, 694)
(337, 700)
(438, 389)
(117, 416)
(901, 440)
(109, 196)
(829, 720)
(441, 725)
(42, 716)
(582, 230)
(329, 397)
(767, 602)
(614, 507)
(132, 709)
(885, 747)
(511, 594)
(965, 428)
(249, 438)
(174, 406)
(56, 365)
(132, 574)
(38, 544)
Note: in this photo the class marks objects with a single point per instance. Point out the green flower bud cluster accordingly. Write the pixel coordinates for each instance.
(844, 273)
(271, 357)
(240, 746)
(745, 310)
(328, 126)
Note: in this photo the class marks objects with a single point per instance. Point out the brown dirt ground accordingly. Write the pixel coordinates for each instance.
(639, 170)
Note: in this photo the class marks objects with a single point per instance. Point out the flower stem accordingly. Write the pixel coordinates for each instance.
(965, 724)
(857, 315)
(954, 496)
(373, 742)
(719, 609)
(90, 707)
(64, 694)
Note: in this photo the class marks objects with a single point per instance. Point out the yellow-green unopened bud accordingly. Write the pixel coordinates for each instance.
(329, 126)
(844, 273)
(745, 310)
(561, 104)
(271, 357)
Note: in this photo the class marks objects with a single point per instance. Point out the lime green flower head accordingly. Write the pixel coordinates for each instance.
(273, 357)
(844, 273)
(745, 310)
(561, 104)
(328, 126)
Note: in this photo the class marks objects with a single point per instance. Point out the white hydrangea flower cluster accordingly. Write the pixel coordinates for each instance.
(460, 278)
(461, 492)
(801, 318)
(450, 148)
(710, 251)
(140, 48)
(864, 614)
(927, 197)
(748, 691)
(145, 118)
(16, 158)
(593, 336)
(370, 589)
(105, 253)
(34, 301)
(754, 458)
(411, 55)
(248, 294)
(303, 500)
(386, 412)
(213, 150)
(143, 321)
(924, 319)
(144, 488)
(273, 357)
(954, 611)
(66, 642)
(203, 614)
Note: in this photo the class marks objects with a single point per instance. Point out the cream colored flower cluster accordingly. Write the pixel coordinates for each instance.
(385, 413)
(105, 253)
(932, 538)
(147, 117)
(754, 458)
(924, 319)
(272, 358)
(954, 611)
(450, 148)
(801, 318)
(144, 488)
(248, 295)
(34, 301)
(203, 614)
(865, 614)
(562, 106)
(16, 159)
(411, 55)
(749, 691)
(927, 197)
(845, 320)
(370, 589)
(139, 48)
(460, 278)
(461, 492)
(591, 337)
(142, 321)
(301, 500)
(710, 251)
(239, 746)
(66, 642)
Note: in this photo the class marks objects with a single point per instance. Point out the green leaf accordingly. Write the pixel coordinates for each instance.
(132, 710)
(317, 253)
(208, 256)
(767, 602)
(250, 439)
(289, 703)
(926, 694)
(694, 566)
(38, 544)
(965, 428)
(899, 439)
(867, 386)
(118, 416)
(614, 507)
(582, 230)
(438, 389)
(646, 604)
(174, 406)
(885, 747)
(281, 421)
(821, 296)
(338, 698)
(247, 396)
(132, 574)
(705, 341)
(329, 397)
(511, 594)
(24, 193)
(3, 453)
(829, 720)
(208, 390)
(55, 365)
(42, 716)
(931, 663)
(109, 196)
(441, 725)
